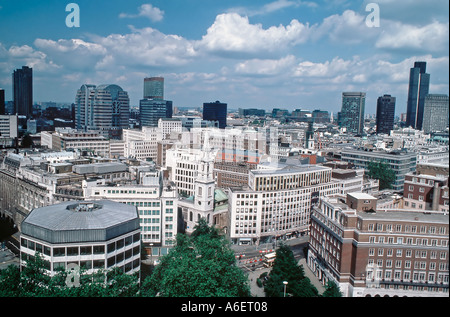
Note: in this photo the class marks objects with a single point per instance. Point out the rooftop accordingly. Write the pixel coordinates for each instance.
(74, 221)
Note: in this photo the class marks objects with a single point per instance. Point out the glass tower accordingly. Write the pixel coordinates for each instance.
(385, 114)
(216, 111)
(352, 112)
(154, 88)
(419, 84)
(23, 91)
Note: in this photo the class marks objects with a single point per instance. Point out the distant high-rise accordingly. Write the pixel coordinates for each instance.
(154, 88)
(104, 108)
(352, 112)
(151, 110)
(23, 91)
(2, 101)
(435, 113)
(385, 114)
(419, 85)
(216, 111)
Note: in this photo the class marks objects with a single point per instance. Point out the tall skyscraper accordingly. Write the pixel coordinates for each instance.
(151, 110)
(2, 101)
(104, 108)
(352, 112)
(419, 85)
(23, 91)
(216, 111)
(435, 113)
(154, 88)
(385, 114)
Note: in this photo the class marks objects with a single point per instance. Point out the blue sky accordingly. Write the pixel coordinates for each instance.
(290, 54)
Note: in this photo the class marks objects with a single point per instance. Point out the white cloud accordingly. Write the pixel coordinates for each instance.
(272, 7)
(147, 11)
(266, 67)
(234, 34)
(429, 38)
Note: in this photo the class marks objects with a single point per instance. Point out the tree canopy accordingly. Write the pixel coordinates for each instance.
(286, 269)
(382, 172)
(200, 265)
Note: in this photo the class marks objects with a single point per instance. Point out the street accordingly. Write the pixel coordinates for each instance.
(250, 261)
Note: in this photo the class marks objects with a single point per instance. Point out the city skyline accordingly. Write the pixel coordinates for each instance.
(273, 54)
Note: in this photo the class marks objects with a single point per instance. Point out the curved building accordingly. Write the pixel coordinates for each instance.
(92, 235)
(104, 109)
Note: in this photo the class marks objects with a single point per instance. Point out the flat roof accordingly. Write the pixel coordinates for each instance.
(361, 196)
(81, 221)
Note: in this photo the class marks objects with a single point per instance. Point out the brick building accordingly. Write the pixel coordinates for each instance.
(379, 253)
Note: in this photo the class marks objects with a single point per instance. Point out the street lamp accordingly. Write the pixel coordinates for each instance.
(285, 285)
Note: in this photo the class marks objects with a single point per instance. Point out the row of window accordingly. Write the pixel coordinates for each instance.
(380, 227)
(409, 241)
(416, 277)
(418, 265)
(79, 250)
(418, 254)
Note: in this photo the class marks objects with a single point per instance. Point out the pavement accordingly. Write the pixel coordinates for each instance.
(7, 258)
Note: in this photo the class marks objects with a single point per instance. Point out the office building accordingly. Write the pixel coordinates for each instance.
(352, 112)
(385, 114)
(400, 162)
(154, 88)
(2, 102)
(23, 91)
(216, 111)
(419, 85)
(156, 201)
(277, 202)
(8, 126)
(92, 235)
(142, 144)
(435, 113)
(104, 109)
(151, 110)
(373, 253)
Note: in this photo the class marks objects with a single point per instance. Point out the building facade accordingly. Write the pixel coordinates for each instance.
(401, 163)
(277, 202)
(352, 112)
(419, 85)
(435, 113)
(151, 110)
(154, 88)
(104, 109)
(156, 202)
(369, 253)
(385, 114)
(23, 91)
(215, 111)
(88, 235)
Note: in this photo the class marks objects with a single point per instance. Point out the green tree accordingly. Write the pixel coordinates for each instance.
(9, 281)
(332, 290)
(200, 265)
(382, 172)
(286, 269)
(33, 281)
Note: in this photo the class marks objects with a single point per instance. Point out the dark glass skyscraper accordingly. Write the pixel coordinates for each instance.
(2, 101)
(216, 111)
(23, 91)
(151, 110)
(419, 85)
(385, 114)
